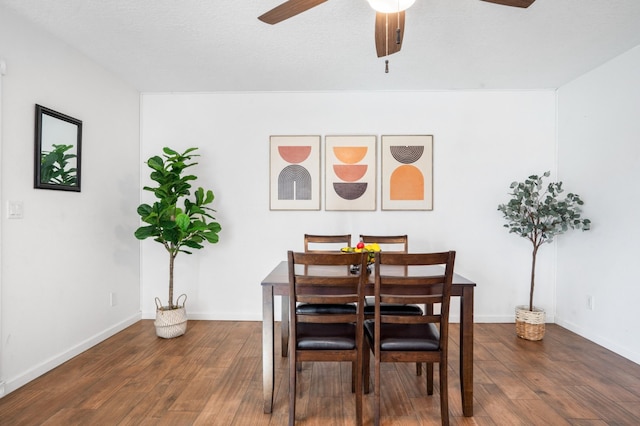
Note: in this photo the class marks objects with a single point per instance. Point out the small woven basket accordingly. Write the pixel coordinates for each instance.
(529, 324)
(171, 323)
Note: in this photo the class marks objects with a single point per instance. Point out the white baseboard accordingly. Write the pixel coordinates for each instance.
(208, 316)
(602, 341)
(50, 364)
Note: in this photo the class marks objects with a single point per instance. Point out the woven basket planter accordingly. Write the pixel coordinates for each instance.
(529, 324)
(171, 323)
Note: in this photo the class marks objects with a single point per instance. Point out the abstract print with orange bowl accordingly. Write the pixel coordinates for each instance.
(407, 172)
(350, 172)
(295, 173)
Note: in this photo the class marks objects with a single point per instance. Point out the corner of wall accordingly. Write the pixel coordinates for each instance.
(3, 70)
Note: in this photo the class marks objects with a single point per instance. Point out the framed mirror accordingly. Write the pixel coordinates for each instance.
(57, 150)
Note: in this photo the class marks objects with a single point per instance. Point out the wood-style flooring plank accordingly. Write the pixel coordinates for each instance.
(213, 376)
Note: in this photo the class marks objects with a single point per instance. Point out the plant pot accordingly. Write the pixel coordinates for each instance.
(530, 324)
(169, 322)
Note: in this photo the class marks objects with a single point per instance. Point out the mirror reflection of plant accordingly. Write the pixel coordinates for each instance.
(55, 167)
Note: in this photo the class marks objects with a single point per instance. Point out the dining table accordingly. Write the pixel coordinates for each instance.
(276, 283)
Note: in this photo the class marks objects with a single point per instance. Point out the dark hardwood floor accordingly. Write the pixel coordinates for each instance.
(213, 376)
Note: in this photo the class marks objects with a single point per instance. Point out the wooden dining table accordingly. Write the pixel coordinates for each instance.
(277, 284)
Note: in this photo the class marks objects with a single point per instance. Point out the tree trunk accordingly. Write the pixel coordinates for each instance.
(533, 275)
(171, 259)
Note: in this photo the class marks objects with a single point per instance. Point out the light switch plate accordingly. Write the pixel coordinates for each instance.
(15, 210)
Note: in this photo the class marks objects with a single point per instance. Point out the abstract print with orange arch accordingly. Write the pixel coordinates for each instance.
(294, 172)
(407, 172)
(350, 172)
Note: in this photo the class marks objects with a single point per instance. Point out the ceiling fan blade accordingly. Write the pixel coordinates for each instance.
(288, 9)
(514, 3)
(388, 39)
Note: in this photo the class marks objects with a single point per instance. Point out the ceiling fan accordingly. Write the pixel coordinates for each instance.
(389, 29)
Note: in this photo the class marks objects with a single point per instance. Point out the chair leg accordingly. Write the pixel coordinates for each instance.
(358, 378)
(418, 369)
(376, 392)
(429, 369)
(354, 375)
(366, 374)
(444, 393)
(292, 388)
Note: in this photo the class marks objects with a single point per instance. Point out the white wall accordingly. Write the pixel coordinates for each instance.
(599, 158)
(3, 66)
(71, 250)
(483, 141)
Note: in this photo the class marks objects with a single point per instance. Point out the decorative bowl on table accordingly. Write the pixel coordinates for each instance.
(371, 250)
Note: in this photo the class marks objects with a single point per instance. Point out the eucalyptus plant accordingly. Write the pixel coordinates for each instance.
(537, 212)
(176, 221)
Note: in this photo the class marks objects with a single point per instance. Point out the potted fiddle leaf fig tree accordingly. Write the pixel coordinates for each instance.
(180, 221)
(537, 212)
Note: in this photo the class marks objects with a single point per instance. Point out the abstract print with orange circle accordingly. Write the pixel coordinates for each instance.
(407, 181)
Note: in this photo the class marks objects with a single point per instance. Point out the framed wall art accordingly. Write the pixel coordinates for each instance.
(407, 172)
(294, 163)
(350, 172)
(58, 143)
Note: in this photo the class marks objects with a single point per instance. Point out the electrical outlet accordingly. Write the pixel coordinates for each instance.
(590, 303)
(112, 299)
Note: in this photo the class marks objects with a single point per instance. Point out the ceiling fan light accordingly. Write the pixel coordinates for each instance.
(390, 6)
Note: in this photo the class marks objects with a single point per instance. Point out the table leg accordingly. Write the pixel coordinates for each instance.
(267, 347)
(284, 326)
(466, 350)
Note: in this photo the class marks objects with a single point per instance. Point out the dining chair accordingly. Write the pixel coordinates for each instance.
(422, 278)
(392, 244)
(325, 279)
(316, 243)
(326, 244)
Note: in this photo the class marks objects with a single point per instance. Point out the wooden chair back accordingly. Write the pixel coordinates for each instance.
(325, 279)
(325, 243)
(430, 284)
(388, 243)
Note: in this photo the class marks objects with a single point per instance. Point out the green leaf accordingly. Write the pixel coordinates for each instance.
(169, 151)
(182, 220)
(210, 197)
(145, 232)
(144, 210)
(192, 244)
(211, 237)
(156, 163)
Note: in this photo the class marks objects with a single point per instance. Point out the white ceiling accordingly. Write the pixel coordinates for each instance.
(220, 45)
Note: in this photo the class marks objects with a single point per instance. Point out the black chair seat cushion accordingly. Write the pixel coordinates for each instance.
(393, 309)
(330, 308)
(390, 308)
(404, 337)
(330, 336)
